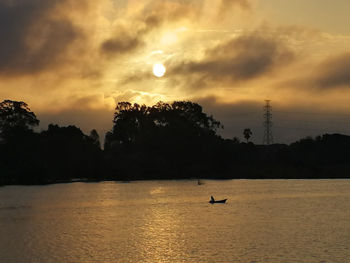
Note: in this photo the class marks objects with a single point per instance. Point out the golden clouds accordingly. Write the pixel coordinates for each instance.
(226, 5)
(68, 55)
(46, 36)
(240, 58)
(132, 30)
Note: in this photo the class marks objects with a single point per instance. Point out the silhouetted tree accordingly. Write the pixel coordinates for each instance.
(185, 115)
(161, 139)
(167, 140)
(247, 134)
(236, 140)
(15, 118)
(19, 144)
(128, 121)
(95, 138)
(69, 153)
(138, 123)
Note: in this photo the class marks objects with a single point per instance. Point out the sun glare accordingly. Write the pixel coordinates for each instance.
(159, 70)
(169, 38)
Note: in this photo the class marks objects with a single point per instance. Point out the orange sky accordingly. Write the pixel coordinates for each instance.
(71, 61)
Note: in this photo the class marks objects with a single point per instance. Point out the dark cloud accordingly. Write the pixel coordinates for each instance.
(122, 43)
(239, 59)
(331, 74)
(334, 72)
(126, 40)
(33, 37)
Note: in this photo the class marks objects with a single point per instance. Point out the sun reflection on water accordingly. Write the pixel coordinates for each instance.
(173, 222)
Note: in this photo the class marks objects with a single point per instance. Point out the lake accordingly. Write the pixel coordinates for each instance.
(172, 221)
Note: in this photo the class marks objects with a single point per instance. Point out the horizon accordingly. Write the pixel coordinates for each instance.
(220, 131)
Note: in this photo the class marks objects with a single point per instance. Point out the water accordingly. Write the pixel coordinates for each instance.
(172, 221)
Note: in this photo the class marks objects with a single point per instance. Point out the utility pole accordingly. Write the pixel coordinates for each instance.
(268, 138)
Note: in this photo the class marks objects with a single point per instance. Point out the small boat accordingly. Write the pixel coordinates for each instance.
(213, 201)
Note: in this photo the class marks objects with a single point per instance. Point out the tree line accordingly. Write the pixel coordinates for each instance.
(165, 141)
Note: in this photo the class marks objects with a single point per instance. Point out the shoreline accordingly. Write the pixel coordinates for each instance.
(172, 179)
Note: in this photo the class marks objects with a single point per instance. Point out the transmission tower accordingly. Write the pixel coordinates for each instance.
(268, 138)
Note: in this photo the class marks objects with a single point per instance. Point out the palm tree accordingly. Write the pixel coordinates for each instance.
(247, 134)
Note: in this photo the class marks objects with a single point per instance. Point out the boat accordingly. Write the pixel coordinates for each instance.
(213, 201)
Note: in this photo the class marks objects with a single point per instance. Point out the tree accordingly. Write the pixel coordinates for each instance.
(95, 138)
(236, 140)
(183, 118)
(247, 134)
(16, 117)
(135, 124)
(68, 153)
(196, 118)
(129, 120)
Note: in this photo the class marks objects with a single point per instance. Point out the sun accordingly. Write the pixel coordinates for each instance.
(159, 70)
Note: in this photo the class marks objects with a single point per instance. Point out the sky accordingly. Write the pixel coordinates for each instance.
(72, 61)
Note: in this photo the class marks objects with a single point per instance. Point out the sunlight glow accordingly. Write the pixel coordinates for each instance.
(157, 52)
(159, 70)
(169, 38)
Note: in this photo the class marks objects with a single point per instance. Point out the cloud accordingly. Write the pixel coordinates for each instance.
(127, 39)
(322, 77)
(87, 112)
(85, 119)
(121, 44)
(138, 96)
(34, 36)
(130, 34)
(236, 60)
(228, 4)
(242, 58)
(94, 111)
(334, 72)
(170, 11)
(290, 122)
(239, 115)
